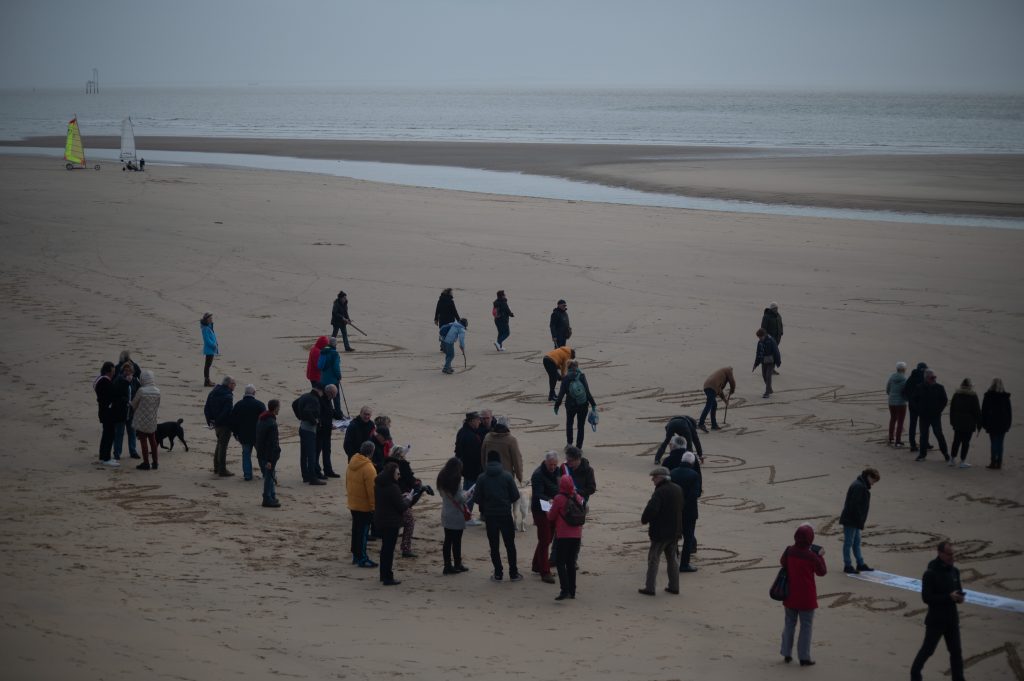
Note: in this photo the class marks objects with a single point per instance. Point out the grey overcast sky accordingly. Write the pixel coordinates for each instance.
(918, 45)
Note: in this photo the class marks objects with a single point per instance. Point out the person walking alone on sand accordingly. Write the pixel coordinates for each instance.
(578, 401)
(664, 519)
(714, 387)
(996, 416)
(895, 388)
(942, 591)
(768, 357)
(501, 313)
(559, 324)
(965, 417)
(854, 517)
(803, 560)
(340, 320)
(771, 321)
(210, 346)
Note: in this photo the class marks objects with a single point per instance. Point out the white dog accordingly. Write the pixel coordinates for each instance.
(521, 509)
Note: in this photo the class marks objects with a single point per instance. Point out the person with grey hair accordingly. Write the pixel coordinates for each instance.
(544, 486)
(689, 480)
(895, 389)
(486, 423)
(243, 422)
(932, 401)
(664, 519)
(218, 416)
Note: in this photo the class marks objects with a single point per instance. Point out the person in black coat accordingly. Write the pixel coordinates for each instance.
(495, 493)
(360, 430)
(544, 486)
(123, 389)
(912, 391)
(243, 420)
(684, 426)
(965, 418)
(689, 480)
(324, 431)
(445, 311)
(996, 417)
(502, 313)
(103, 386)
(663, 516)
(307, 409)
(575, 409)
(218, 415)
(468, 445)
(942, 591)
(855, 516)
(389, 506)
(559, 324)
(268, 451)
(931, 401)
(771, 321)
(340, 320)
(767, 356)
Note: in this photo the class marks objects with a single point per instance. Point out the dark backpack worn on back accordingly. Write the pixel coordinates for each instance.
(574, 514)
(577, 391)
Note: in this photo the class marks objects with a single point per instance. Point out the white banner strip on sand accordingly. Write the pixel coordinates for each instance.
(972, 597)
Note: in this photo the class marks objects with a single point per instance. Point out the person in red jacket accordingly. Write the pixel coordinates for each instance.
(567, 537)
(803, 560)
(312, 370)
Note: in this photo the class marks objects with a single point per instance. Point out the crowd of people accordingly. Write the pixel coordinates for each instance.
(487, 466)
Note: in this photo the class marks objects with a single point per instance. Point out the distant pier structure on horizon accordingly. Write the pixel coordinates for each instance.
(92, 87)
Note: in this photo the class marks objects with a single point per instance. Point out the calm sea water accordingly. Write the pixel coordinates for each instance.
(857, 122)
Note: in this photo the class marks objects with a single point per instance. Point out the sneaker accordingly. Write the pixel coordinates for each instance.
(863, 567)
(143, 467)
(562, 595)
(154, 465)
(515, 577)
(850, 570)
(114, 463)
(950, 462)
(271, 503)
(497, 346)
(964, 464)
(898, 444)
(687, 568)
(552, 397)
(496, 577)
(473, 522)
(461, 568)
(366, 563)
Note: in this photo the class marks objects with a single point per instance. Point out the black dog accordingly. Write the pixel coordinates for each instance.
(171, 429)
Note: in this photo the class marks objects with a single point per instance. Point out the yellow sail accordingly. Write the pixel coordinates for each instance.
(73, 151)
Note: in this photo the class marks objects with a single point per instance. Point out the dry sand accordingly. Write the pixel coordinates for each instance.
(124, 574)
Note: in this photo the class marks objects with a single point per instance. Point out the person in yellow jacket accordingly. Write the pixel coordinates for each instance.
(359, 481)
(556, 363)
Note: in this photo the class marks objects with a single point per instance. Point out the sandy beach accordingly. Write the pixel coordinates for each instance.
(122, 574)
(961, 184)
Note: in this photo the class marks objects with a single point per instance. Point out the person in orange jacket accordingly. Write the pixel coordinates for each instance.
(556, 363)
(359, 481)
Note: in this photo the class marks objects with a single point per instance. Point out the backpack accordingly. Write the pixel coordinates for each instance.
(295, 407)
(578, 391)
(574, 514)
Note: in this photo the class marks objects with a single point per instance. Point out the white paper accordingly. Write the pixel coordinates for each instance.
(911, 584)
(545, 505)
(341, 424)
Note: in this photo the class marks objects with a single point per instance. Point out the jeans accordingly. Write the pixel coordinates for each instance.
(961, 442)
(388, 539)
(767, 369)
(851, 540)
(220, 454)
(934, 424)
(106, 440)
(896, 414)
(689, 540)
(247, 461)
(553, 376)
(997, 448)
(668, 549)
(119, 433)
(307, 454)
(503, 330)
(932, 634)
(344, 335)
(565, 562)
(803, 644)
(540, 555)
(269, 493)
(580, 416)
(502, 525)
(452, 547)
(360, 533)
(449, 354)
(711, 406)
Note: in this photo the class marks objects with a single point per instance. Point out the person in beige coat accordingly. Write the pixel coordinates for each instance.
(145, 405)
(714, 387)
(504, 442)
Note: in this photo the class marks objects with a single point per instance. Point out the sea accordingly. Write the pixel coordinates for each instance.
(840, 121)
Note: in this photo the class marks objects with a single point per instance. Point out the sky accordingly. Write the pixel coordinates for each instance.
(878, 45)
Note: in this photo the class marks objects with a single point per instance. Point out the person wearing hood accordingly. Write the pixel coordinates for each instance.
(389, 506)
(210, 346)
(895, 389)
(313, 362)
(467, 450)
(145, 405)
(932, 401)
(218, 415)
(103, 387)
(543, 487)
(268, 451)
(965, 417)
(578, 401)
(360, 479)
(942, 591)
(559, 324)
(771, 321)
(911, 391)
(501, 313)
(689, 480)
(663, 516)
(855, 516)
(495, 493)
(803, 560)
(330, 373)
(340, 320)
(714, 388)
(768, 357)
(244, 421)
(445, 311)
(501, 440)
(996, 417)
(567, 537)
(556, 363)
(685, 427)
(450, 333)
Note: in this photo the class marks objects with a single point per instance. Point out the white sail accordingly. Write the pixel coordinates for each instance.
(127, 140)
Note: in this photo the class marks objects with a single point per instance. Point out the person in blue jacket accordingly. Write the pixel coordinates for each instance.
(450, 333)
(330, 372)
(210, 347)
